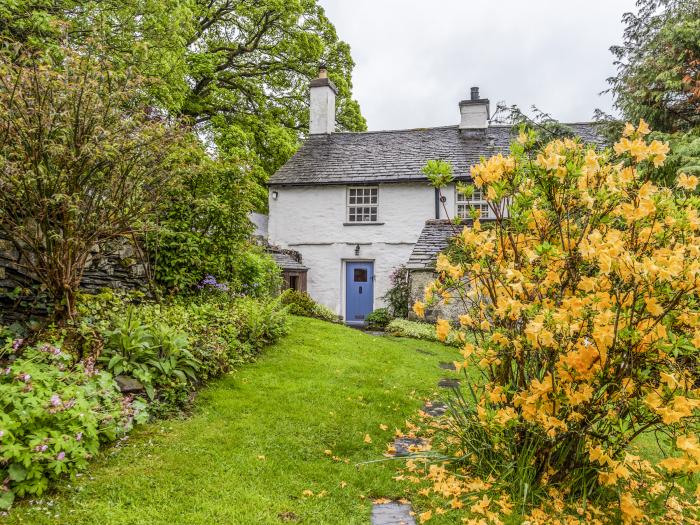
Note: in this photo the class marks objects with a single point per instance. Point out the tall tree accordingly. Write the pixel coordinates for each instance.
(239, 69)
(658, 77)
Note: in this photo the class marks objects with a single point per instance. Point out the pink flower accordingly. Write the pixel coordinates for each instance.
(79, 436)
(24, 377)
(17, 343)
(55, 400)
(2, 433)
(61, 456)
(41, 448)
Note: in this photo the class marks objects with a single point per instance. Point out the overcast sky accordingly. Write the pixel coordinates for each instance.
(415, 59)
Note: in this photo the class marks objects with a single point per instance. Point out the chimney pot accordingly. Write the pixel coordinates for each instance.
(475, 93)
(322, 71)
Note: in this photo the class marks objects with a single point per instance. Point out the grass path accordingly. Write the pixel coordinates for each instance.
(256, 440)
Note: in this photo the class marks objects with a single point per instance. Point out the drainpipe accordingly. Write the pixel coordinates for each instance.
(437, 203)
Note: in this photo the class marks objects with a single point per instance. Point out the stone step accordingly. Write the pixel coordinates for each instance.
(447, 382)
(447, 366)
(402, 445)
(392, 513)
(435, 408)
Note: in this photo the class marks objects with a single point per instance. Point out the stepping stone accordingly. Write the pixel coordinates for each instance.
(424, 352)
(129, 385)
(402, 445)
(392, 514)
(447, 366)
(435, 408)
(448, 383)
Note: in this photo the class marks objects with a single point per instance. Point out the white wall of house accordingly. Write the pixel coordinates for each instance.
(313, 221)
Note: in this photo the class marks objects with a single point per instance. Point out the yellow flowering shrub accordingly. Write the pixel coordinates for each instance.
(581, 316)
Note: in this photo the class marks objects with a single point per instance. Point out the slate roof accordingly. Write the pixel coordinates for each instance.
(433, 239)
(396, 156)
(286, 262)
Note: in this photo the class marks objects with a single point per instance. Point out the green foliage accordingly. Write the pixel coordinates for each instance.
(657, 78)
(258, 274)
(259, 323)
(417, 330)
(301, 303)
(439, 173)
(156, 355)
(53, 418)
(378, 319)
(82, 162)
(398, 295)
(202, 225)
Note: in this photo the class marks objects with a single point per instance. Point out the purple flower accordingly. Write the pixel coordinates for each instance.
(55, 400)
(24, 377)
(61, 456)
(17, 343)
(50, 349)
(41, 448)
(79, 436)
(2, 433)
(8, 371)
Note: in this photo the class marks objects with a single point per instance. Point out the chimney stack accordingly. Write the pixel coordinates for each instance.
(474, 112)
(322, 103)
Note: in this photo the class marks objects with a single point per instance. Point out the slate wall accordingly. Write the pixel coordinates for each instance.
(117, 264)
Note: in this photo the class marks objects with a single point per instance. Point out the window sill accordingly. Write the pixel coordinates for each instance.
(363, 223)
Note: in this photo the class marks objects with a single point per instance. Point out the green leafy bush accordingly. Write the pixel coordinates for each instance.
(398, 295)
(156, 355)
(53, 418)
(259, 322)
(416, 330)
(378, 319)
(300, 303)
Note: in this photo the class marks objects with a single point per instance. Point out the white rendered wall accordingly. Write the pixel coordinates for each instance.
(310, 219)
(322, 110)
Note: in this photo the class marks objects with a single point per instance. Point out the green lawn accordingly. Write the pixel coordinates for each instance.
(256, 440)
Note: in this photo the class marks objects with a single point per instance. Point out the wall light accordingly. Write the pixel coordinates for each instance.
(357, 250)
(275, 195)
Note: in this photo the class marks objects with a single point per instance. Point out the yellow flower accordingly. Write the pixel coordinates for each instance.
(653, 307)
(643, 128)
(630, 511)
(522, 138)
(628, 131)
(425, 516)
(419, 309)
(687, 182)
(442, 329)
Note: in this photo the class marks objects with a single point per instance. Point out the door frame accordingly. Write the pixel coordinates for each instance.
(343, 283)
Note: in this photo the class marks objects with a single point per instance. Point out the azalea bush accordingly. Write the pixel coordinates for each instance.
(581, 318)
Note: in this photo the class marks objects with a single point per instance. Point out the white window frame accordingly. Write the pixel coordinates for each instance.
(360, 198)
(465, 205)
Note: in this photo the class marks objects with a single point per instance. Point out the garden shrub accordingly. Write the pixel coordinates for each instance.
(301, 303)
(398, 295)
(53, 418)
(581, 312)
(260, 323)
(417, 330)
(378, 319)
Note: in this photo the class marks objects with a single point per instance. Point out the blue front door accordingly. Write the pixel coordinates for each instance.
(359, 291)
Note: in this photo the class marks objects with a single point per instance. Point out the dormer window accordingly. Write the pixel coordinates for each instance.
(466, 205)
(362, 204)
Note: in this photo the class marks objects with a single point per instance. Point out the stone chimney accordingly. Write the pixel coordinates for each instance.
(475, 112)
(322, 103)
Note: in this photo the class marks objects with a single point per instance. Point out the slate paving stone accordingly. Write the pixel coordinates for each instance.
(435, 408)
(447, 366)
(392, 513)
(403, 445)
(448, 383)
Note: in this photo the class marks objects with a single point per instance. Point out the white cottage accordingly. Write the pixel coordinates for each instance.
(354, 205)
